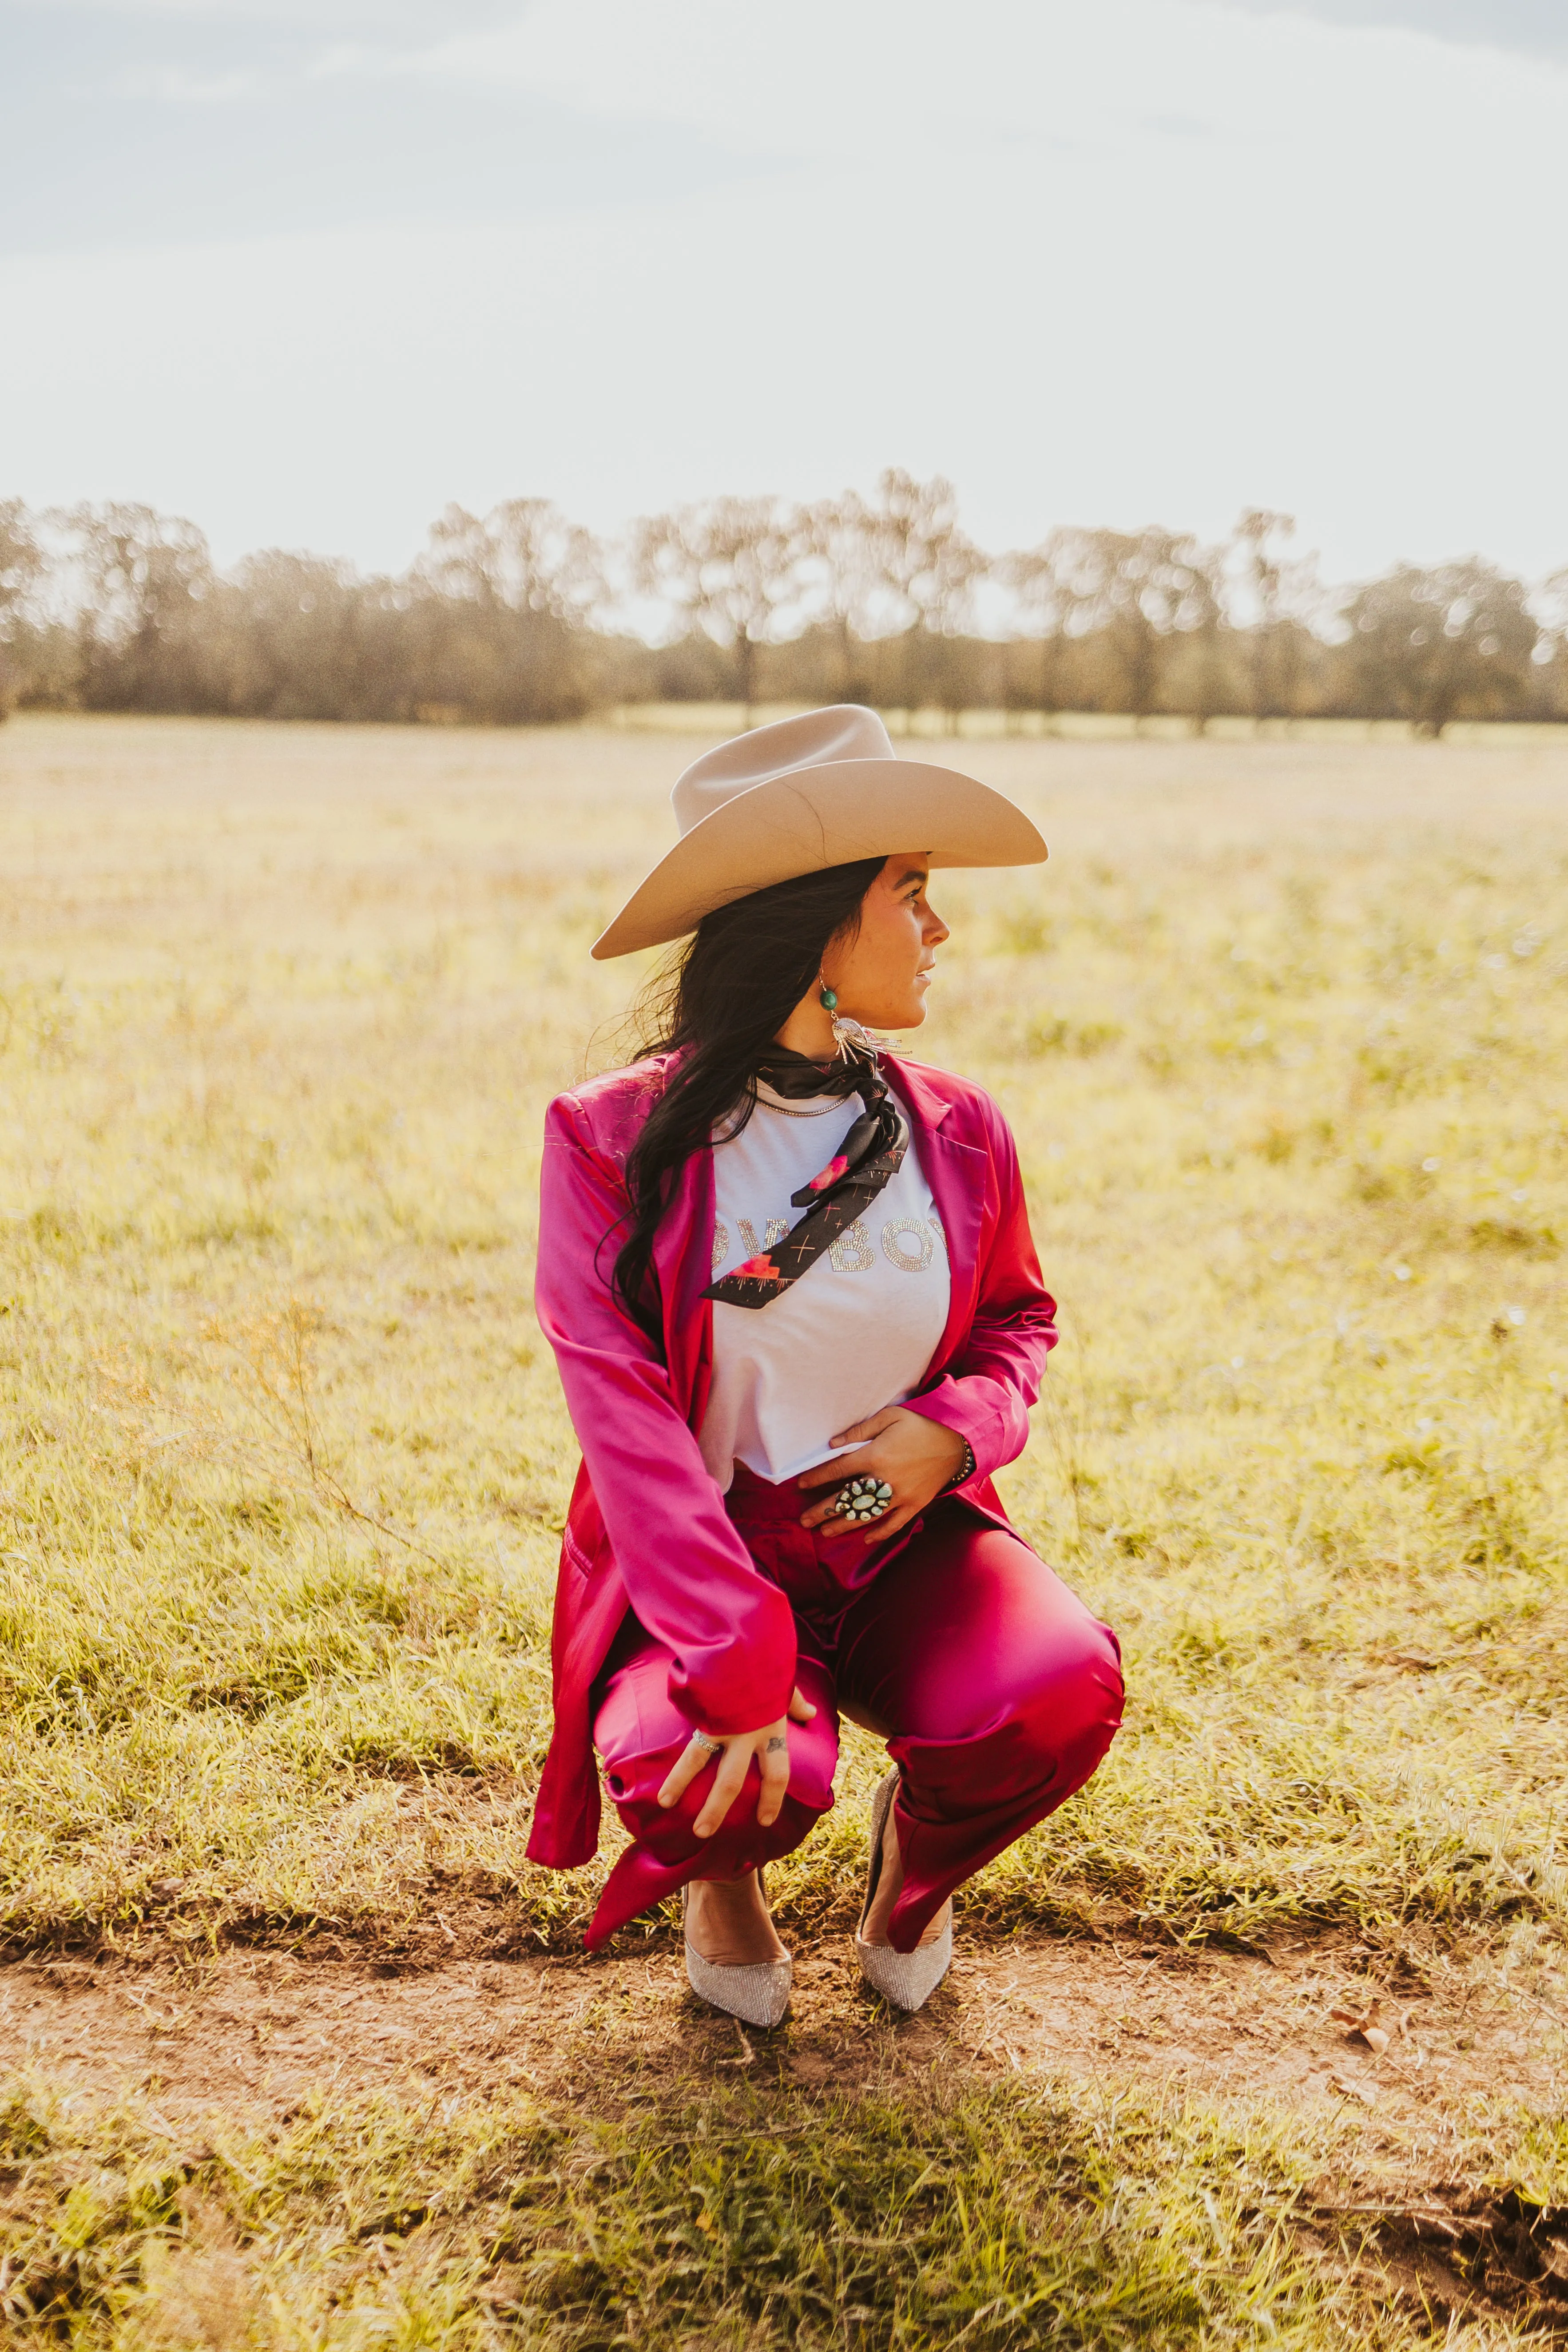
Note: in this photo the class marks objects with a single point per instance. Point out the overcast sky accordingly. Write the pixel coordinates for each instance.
(306, 270)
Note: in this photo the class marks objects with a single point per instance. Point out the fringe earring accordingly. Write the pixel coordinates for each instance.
(848, 1038)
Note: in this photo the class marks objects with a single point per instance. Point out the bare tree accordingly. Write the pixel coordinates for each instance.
(734, 568)
(299, 637)
(504, 613)
(838, 573)
(1428, 645)
(1134, 592)
(524, 556)
(1273, 597)
(22, 563)
(1548, 605)
(921, 572)
(143, 576)
(1052, 588)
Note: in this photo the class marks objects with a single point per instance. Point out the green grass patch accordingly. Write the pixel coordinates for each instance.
(926, 2217)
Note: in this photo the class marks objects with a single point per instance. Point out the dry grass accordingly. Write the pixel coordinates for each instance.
(1282, 1029)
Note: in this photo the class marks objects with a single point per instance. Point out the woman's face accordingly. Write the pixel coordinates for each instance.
(881, 975)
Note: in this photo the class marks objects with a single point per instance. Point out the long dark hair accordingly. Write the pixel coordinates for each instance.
(721, 1005)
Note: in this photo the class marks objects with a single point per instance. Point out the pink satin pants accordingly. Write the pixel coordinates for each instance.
(997, 1691)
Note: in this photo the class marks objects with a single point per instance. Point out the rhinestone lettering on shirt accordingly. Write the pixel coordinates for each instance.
(778, 1227)
(852, 1251)
(893, 1234)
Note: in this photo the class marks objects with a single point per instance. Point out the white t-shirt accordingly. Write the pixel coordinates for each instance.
(858, 1328)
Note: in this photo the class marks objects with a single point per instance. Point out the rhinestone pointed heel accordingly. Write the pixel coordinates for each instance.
(756, 1991)
(906, 1979)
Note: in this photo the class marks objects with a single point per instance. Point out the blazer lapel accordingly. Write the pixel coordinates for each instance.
(959, 1175)
(683, 1261)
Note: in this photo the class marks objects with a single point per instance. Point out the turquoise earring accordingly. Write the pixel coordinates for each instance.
(848, 1038)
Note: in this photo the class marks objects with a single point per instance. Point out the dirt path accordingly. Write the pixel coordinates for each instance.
(257, 2031)
(1407, 2204)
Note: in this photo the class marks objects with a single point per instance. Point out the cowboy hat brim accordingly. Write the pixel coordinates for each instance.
(815, 817)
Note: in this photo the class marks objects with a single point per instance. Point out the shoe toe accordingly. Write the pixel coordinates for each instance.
(906, 1979)
(757, 1991)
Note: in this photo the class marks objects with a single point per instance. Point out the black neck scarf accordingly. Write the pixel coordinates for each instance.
(868, 1159)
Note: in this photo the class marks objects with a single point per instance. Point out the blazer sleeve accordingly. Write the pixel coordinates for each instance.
(987, 1391)
(687, 1575)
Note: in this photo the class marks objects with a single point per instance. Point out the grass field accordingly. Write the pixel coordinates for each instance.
(1283, 1030)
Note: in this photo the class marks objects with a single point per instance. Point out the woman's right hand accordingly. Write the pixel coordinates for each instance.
(770, 1745)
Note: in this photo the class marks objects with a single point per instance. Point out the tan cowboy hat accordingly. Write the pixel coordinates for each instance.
(801, 795)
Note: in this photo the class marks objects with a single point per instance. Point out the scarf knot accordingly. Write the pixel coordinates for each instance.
(865, 1163)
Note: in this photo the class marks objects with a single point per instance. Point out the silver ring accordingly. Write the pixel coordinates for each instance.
(714, 1747)
(863, 1499)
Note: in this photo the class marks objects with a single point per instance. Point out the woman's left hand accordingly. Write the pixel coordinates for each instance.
(913, 1456)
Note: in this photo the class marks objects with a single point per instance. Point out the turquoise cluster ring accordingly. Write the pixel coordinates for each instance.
(863, 1498)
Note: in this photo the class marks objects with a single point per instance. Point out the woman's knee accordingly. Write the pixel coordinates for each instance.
(1069, 1707)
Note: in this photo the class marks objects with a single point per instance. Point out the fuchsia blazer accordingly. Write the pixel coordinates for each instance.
(647, 1527)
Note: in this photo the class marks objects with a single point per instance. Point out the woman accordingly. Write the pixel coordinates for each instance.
(790, 1287)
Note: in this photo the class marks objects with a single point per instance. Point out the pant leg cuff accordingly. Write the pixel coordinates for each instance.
(638, 1882)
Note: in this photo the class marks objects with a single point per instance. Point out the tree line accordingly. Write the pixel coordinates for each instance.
(521, 615)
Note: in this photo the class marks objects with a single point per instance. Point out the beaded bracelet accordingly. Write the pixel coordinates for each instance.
(965, 1470)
